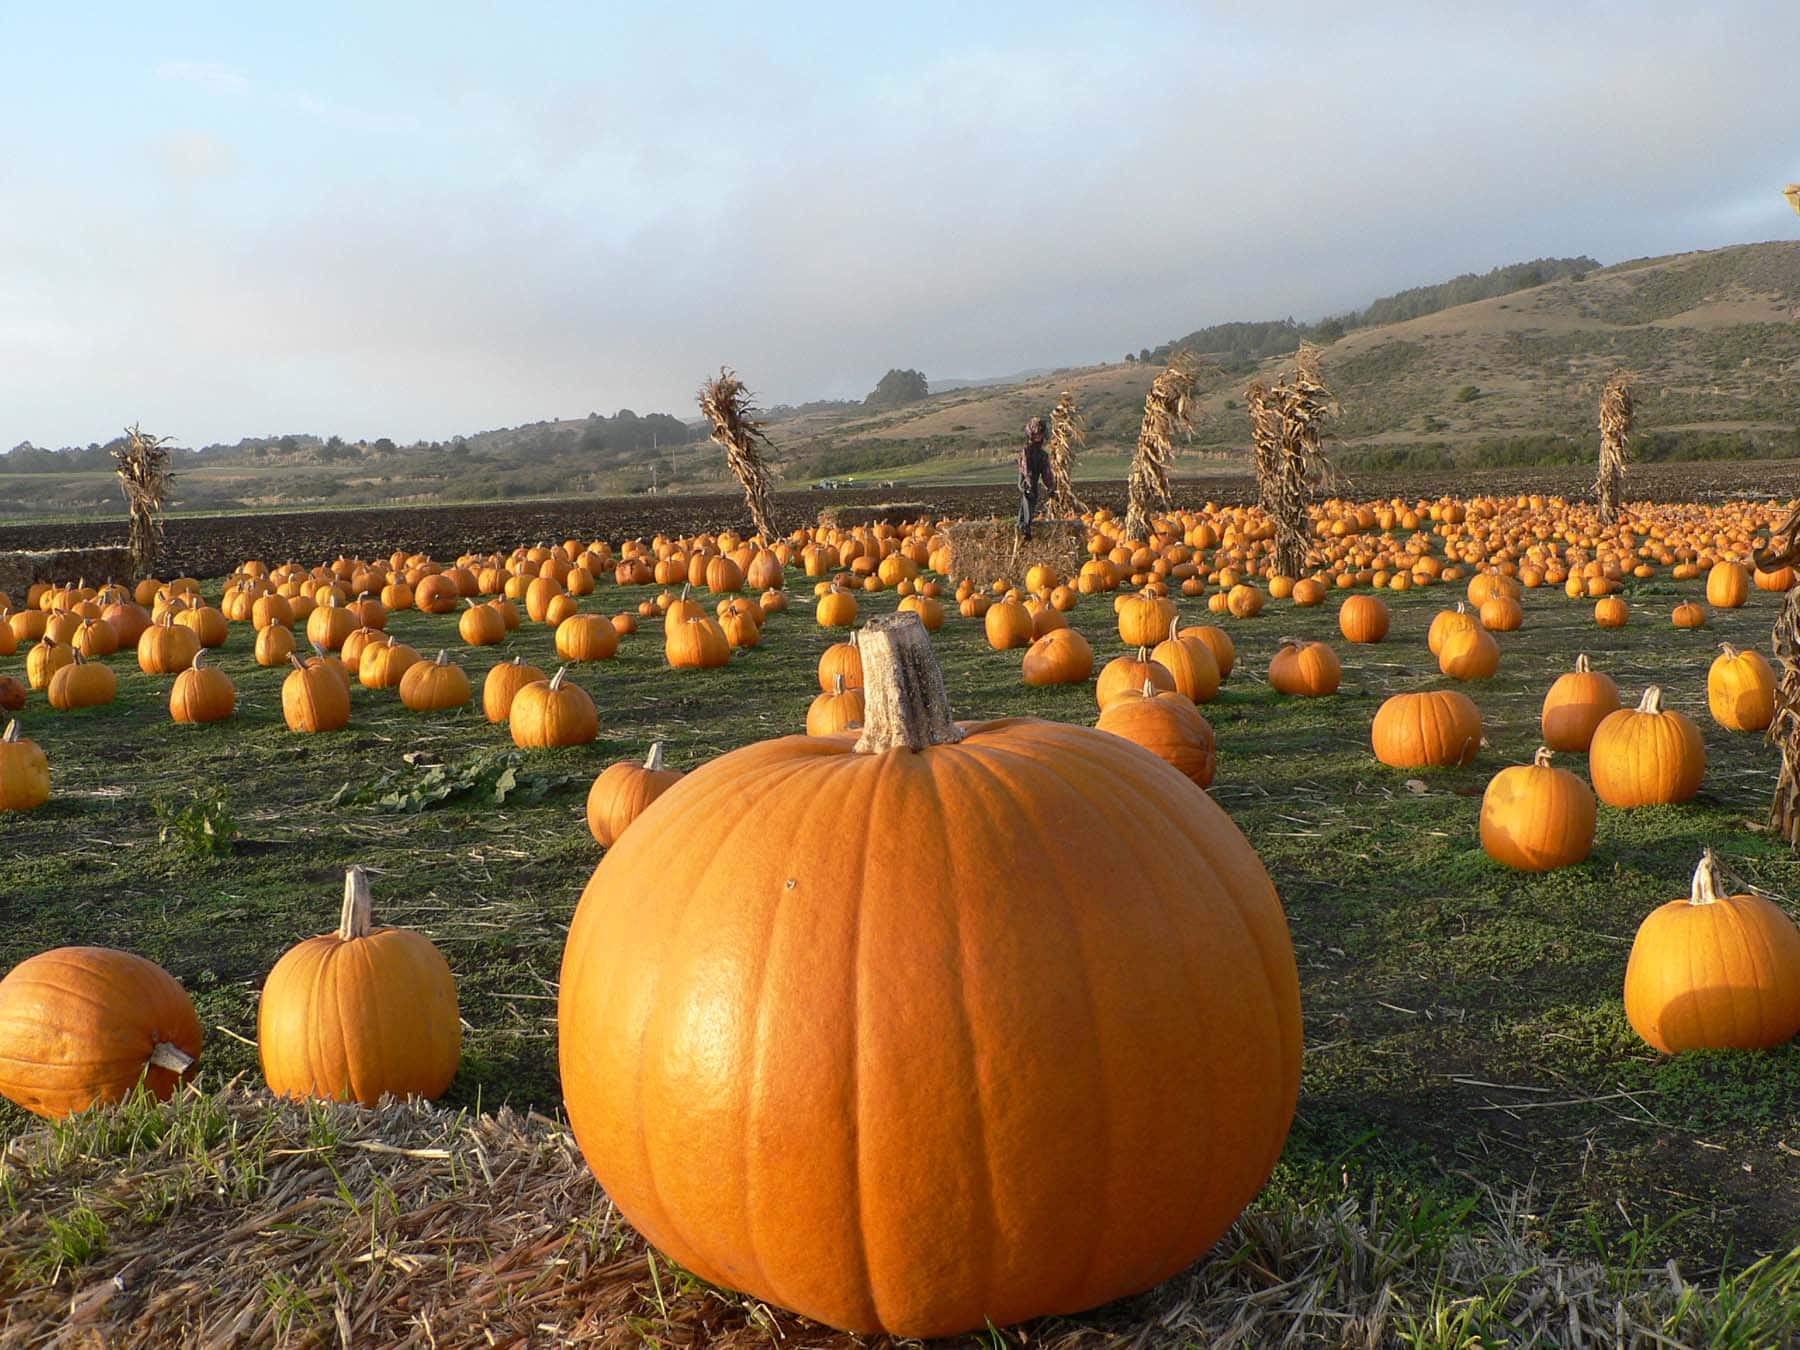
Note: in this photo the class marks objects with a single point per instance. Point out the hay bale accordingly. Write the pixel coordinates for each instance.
(20, 571)
(989, 550)
(882, 513)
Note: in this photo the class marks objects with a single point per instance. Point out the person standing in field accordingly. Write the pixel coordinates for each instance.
(1034, 472)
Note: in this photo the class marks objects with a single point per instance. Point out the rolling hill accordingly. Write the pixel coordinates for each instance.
(1512, 379)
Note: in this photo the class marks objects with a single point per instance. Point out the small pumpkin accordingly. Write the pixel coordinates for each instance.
(1167, 724)
(1061, 656)
(1740, 690)
(1190, 662)
(1433, 729)
(1219, 642)
(1647, 755)
(1575, 705)
(551, 713)
(13, 694)
(1688, 615)
(1469, 654)
(1611, 611)
(622, 791)
(587, 637)
(95, 638)
(1502, 613)
(164, 648)
(1536, 817)
(835, 713)
(503, 683)
(1305, 669)
(315, 697)
(1712, 971)
(383, 665)
(1364, 618)
(82, 684)
(360, 1014)
(45, 659)
(1008, 624)
(24, 772)
(434, 686)
(841, 660)
(1448, 621)
(836, 609)
(481, 625)
(1125, 675)
(1727, 585)
(697, 644)
(203, 693)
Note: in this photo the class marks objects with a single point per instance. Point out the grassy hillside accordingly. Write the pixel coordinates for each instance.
(1508, 380)
(1713, 336)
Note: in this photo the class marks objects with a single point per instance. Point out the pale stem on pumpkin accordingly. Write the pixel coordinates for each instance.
(1728, 651)
(1581, 663)
(838, 682)
(654, 760)
(358, 913)
(1149, 688)
(1542, 757)
(1706, 880)
(905, 705)
(1652, 700)
(167, 1055)
(11, 734)
(557, 679)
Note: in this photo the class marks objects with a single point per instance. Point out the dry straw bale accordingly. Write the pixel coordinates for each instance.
(882, 513)
(989, 550)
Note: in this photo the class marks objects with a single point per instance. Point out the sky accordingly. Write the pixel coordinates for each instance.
(413, 220)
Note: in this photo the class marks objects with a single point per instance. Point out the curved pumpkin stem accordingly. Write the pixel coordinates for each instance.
(295, 661)
(1542, 757)
(556, 680)
(358, 914)
(1705, 890)
(11, 735)
(168, 1055)
(1651, 701)
(905, 704)
(1149, 687)
(1729, 652)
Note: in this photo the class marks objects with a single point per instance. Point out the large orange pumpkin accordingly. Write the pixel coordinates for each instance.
(361, 1013)
(1061, 656)
(1167, 724)
(1305, 669)
(1536, 817)
(1426, 730)
(1740, 690)
(80, 1025)
(1364, 618)
(781, 1057)
(1712, 971)
(1647, 755)
(1576, 704)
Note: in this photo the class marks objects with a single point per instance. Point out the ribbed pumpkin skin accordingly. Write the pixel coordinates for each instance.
(1060, 657)
(78, 1024)
(1428, 730)
(1537, 817)
(1169, 726)
(1575, 706)
(315, 699)
(1219, 642)
(1740, 691)
(620, 794)
(1306, 670)
(502, 683)
(1727, 585)
(892, 1087)
(1646, 759)
(348, 1021)
(1124, 676)
(1363, 618)
(1469, 654)
(1719, 976)
(1193, 665)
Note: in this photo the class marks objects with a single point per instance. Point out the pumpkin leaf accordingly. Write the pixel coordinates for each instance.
(418, 785)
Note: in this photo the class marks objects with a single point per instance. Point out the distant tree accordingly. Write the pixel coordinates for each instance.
(1328, 330)
(1144, 355)
(1130, 357)
(384, 446)
(898, 388)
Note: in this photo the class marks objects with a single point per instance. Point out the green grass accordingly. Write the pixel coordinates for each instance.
(1465, 1034)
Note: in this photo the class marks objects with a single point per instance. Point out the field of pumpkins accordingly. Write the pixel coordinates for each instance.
(914, 955)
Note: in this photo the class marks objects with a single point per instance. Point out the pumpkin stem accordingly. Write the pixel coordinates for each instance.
(199, 659)
(167, 1055)
(1728, 651)
(1149, 688)
(1652, 700)
(11, 734)
(295, 661)
(654, 760)
(904, 700)
(1581, 663)
(557, 679)
(1542, 757)
(838, 682)
(1706, 880)
(358, 914)
(443, 658)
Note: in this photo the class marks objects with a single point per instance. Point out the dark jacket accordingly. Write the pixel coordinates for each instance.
(1034, 463)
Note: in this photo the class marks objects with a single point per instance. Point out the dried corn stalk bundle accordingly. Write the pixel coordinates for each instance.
(143, 470)
(1068, 435)
(1784, 551)
(1287, 429)
(1167, 414)
(1618, 410)
(727, 406)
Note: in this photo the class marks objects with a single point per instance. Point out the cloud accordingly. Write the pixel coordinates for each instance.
(347, 118)
(193, 156)
(209, 75)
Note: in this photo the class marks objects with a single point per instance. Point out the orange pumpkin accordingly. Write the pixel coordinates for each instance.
(1425, 730)
(1469, 654)
(1536, 817)
(1364, 618)
(551, 713)
(1305, 669)
(82, 1025)
(1575, 705)
(1740, 690)
(622, 791)
(1712, 971)
(24, 772)
(1125, 675)
(502, 683)
(360, 1014)
(1647, 755)
(1727, 585)
(1170, 996)
(1167, 724)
